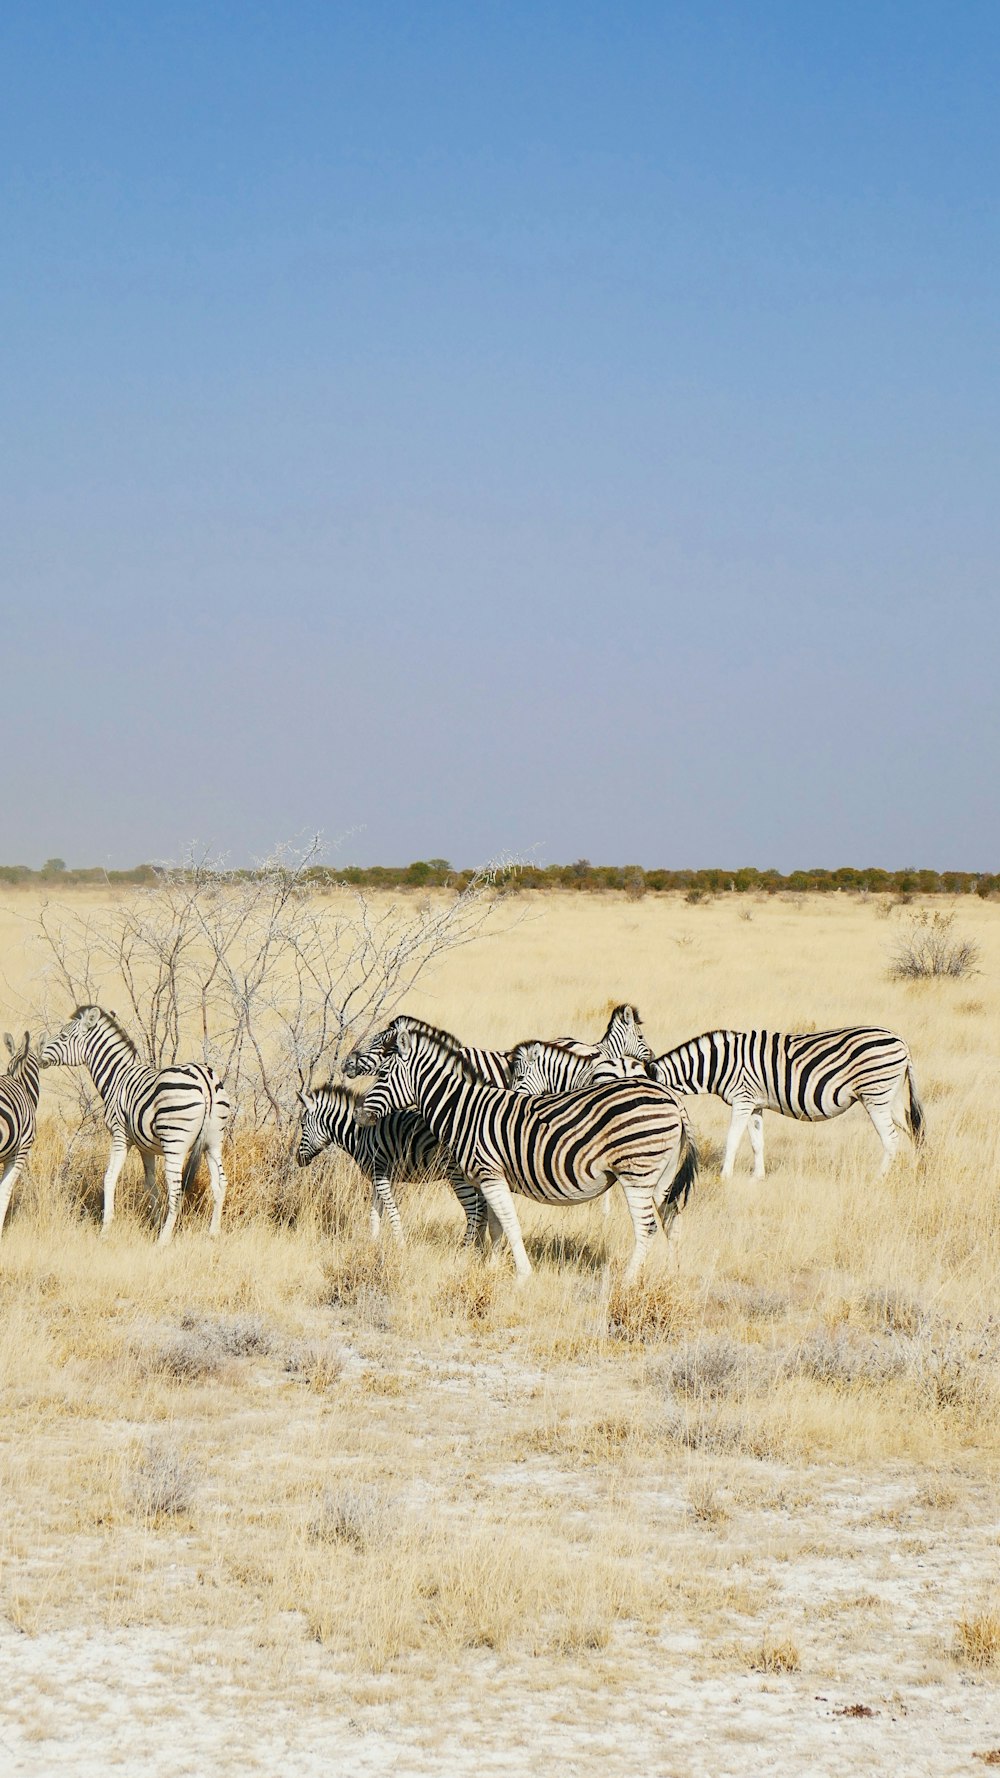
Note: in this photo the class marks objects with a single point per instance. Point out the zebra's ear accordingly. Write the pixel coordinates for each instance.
(403, 1045)
(9, 1041)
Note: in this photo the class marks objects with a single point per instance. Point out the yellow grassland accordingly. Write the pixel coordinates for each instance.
(388, 1478)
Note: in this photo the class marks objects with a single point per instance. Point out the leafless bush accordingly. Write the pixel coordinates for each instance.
(958, 1374)
(929, 948)
(203, 1344)
(266, 974)
(846, 1361)
(717, 1367)
(163, 1483)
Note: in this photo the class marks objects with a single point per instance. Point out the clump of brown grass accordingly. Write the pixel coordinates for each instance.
(319, 1363)
(650, 1311)
(472, 1294)
(162, 1484)
(355, 1516)
(364, 1280)
(774, 1655)
(977, 1638)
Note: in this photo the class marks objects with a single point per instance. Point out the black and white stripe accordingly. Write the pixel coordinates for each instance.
(538, 1067)
(18, 1104)
(557, 1150)
(815, 1075)
(179, 1112)
(397, 1150)
(622, 1038)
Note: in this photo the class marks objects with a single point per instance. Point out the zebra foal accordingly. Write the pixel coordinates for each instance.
(556, 1150)
(18, 1104)
(398, 1149)
(816, 1075)
(179, 1112)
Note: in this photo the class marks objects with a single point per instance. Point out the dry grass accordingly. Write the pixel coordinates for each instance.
(399, 1461)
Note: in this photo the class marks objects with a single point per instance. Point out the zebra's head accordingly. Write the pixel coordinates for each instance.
(394, 1086)
(23, 1064)
(70, 1044)
(527, 1070)
(624, 1037)
(365, 1059)
(313, 1138)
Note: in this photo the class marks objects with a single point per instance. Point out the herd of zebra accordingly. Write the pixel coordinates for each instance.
(559, 1122)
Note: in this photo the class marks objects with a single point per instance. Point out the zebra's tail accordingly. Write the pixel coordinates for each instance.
(687, 1169)
(195, 1153)
(916, 1123)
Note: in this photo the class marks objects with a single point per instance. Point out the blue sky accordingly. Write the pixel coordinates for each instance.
(553, 429)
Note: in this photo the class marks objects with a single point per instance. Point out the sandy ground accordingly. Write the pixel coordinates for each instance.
(866, 1578)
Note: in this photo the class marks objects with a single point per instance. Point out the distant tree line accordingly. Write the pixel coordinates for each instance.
(630, 879)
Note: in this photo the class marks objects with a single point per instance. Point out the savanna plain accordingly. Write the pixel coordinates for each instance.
(290, 1501)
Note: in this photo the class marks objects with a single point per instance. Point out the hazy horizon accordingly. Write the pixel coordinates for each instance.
(570, 433)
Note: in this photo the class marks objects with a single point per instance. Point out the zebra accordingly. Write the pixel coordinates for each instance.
(538, 1067)
(811, 1076)
(623, 1037)
(396, 1150)
(565, 1067)
(180, 1112)
(557, 1150)
(18, 1104)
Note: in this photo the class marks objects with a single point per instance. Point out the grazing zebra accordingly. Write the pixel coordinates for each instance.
(396, 1150)
(557, 1150)
(18, 1104)
(179, 1112)
(623, 1037)
(812, 1076)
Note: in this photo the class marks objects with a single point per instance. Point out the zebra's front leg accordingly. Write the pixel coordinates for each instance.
(7, 1183)
(642, 1209)
(737, 1124)
(499, 1199)
(757, 1141)
(119, 1149)
(383, 1203)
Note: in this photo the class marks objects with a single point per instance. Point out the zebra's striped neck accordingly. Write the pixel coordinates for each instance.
(108, 1053)
(24, 1070)
(337, 1117)
(696, 1066)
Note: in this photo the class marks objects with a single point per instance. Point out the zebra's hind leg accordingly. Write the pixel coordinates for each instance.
(640, 1198)
(152, 1190)
(116, 1161)
(216, 1176)
(173, 1169)
(737, 1124)
(757, 1141)
(498, 1199)
(7, 1182)
(888, 1132)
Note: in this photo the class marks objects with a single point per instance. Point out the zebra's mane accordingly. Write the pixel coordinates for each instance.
(452, 1052)
(112, 1019)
